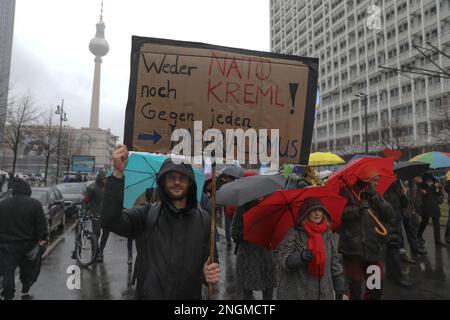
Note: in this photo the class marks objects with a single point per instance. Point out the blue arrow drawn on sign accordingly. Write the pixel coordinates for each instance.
(145, 136)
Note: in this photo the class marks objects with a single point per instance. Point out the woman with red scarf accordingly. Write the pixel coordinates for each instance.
(309, 262)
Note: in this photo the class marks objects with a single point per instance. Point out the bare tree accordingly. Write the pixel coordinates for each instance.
(49, 135)
(68, 142)
(20, 114)
(440, 121)
(345, 151)
(393, 137)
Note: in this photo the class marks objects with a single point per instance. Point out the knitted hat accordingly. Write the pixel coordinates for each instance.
(311, 204)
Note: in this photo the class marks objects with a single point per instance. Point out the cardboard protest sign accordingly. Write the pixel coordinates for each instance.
(174, 83)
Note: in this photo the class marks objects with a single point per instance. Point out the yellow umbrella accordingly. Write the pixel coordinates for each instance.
(324, 159)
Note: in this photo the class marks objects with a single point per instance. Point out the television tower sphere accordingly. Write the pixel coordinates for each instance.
(98, 45)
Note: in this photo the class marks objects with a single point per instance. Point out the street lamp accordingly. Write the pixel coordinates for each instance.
(360, 96)
(62, 117)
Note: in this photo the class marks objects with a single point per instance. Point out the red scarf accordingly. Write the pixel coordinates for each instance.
(316, 266)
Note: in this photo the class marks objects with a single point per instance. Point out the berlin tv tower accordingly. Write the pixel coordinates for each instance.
(99, 47)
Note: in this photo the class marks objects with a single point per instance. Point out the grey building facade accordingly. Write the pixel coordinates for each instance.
(408, 111)
(7, 10)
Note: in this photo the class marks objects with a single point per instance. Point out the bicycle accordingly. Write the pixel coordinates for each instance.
(86, 244)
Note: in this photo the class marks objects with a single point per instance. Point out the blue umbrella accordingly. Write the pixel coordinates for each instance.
(141, 173)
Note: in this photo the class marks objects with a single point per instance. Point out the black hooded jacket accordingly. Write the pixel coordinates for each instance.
(357, 236)
(94, 194)
(173, 243)
(22, 217)
(432, 198)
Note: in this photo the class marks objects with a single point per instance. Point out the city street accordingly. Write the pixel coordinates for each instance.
(112, 279)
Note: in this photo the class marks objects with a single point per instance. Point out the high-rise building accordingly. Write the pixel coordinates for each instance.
(7, 9)
(360, 47)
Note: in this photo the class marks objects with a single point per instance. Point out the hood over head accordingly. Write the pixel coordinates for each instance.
(186, 169)
(21, 187)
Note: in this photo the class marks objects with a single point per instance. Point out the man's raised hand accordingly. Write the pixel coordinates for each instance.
(120, 160)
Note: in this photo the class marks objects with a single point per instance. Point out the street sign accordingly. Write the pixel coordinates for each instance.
(174, 83)
(83, 163)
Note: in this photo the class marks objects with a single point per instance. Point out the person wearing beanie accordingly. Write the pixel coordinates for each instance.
(23, 226)
(173, 233)
(309, 263)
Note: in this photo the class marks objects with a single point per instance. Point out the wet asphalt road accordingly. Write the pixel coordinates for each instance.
(112, 278)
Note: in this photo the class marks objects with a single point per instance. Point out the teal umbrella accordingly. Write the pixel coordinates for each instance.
(141, 173)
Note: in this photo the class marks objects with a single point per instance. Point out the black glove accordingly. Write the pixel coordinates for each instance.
(307, 255)
(364, 204)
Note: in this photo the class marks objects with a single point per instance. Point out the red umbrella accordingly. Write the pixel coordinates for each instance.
(349, 174)
(267, 223)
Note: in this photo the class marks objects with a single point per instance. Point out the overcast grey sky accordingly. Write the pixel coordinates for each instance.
(51, 59)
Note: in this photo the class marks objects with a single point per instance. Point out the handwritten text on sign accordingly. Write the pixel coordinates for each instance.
(177, 85)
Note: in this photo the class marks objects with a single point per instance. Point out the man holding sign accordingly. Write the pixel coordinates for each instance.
(174, 256)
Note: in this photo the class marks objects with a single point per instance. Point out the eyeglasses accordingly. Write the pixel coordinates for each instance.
(173, 177)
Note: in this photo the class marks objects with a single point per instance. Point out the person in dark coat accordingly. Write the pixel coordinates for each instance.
(205, 202)
(2, 182)
(397, 198)
(23, 226)
(10, 180)
(93, 200)
(227, 210)
(308, 258)
(307, 178)
(411, 216)
(432, 198)
(172, 236)
(447, 189)
(359, 244)
(255, 266)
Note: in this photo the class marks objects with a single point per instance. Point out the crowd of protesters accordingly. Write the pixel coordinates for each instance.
(171, 230)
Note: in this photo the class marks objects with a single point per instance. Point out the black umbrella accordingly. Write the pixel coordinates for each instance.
(250, 188)
(409, 170)
(233, 171)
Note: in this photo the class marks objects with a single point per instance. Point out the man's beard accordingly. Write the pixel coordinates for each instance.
(174, 197)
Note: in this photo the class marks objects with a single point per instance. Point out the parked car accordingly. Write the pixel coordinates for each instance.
(73, 196)
(53, 206)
